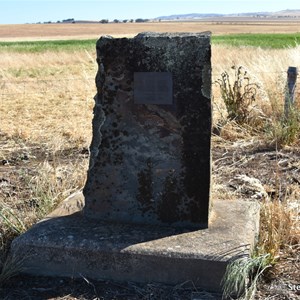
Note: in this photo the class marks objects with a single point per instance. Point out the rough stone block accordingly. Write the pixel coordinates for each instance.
(150, 153)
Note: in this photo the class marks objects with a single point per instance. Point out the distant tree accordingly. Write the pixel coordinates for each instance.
(131, 20)
(103, 21)
(139, 20)
(125, 21)
(71, 20)
(116, 21)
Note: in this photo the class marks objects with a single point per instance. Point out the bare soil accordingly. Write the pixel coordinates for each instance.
(67, 288)
(230, 160)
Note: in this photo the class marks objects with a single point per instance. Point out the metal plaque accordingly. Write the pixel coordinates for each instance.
(153, 88)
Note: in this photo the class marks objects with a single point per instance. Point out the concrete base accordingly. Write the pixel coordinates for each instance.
(75, 246)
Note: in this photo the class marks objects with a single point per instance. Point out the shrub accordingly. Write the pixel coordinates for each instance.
(239, 95)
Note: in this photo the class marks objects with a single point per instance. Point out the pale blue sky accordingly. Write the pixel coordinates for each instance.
(22, 11)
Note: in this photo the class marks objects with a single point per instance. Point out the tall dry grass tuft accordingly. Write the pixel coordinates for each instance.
(279, 220)
(285, 130)
(279, 228)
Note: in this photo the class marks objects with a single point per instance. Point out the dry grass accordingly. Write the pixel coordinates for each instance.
(268, 69)
(46, 102)
(280, 227)
(48, 98)
(279, 238)
(32, 85)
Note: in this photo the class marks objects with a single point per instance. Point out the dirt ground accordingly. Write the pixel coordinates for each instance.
(63, 288)
(231, 161)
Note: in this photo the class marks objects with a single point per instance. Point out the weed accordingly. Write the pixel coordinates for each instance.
(239, 95)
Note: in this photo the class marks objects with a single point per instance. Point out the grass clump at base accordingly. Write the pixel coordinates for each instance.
(242, 274)
(279, 233)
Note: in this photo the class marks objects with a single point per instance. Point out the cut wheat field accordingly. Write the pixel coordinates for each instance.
(46, 110)
(218, 26)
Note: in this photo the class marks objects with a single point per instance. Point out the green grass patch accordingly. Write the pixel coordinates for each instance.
(271, 41)
(43, 46)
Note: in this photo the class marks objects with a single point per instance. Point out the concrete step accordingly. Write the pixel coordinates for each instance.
(72, 245)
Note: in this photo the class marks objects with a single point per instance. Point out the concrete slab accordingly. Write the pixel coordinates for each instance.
(72, 245)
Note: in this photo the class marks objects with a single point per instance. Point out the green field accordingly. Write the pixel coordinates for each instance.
(268, 41)
(42, 46)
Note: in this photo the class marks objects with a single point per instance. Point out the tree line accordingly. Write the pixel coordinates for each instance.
(103, 21)
(139, 20)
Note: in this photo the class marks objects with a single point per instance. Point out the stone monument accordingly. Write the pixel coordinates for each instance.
(149, 167)
(150, 153)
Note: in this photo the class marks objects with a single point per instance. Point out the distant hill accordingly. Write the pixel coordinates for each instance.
(292, 13)
(288, 12)
(189, 16)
